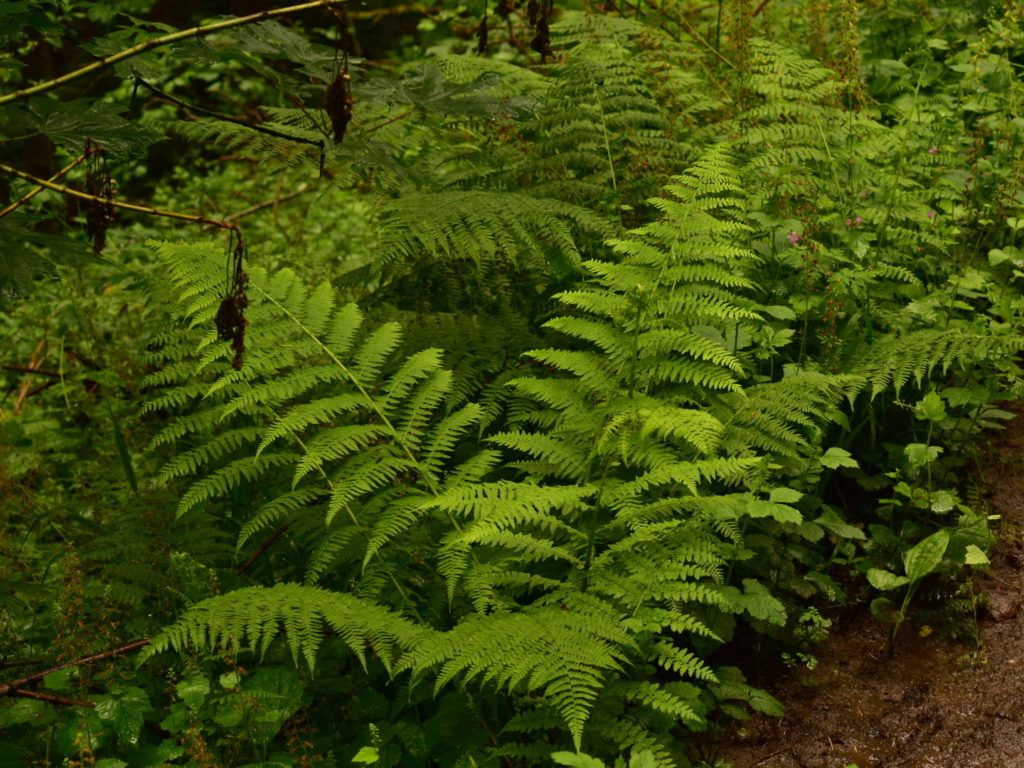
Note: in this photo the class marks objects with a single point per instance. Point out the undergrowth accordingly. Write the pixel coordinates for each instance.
(542, 386)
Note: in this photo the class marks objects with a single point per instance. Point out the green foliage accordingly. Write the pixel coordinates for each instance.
(558, 373)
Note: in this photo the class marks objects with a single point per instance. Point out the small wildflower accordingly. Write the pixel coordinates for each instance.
(793, 238)
(933, 151)
(858, 220)
(931, 214)
(849, 223)
(862, 193)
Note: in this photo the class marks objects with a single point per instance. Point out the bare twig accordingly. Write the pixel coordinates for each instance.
(394, 119)
(64, 190)
(20, 663)
(268, 203)
(768, 757)
(159, 42)
(27, 369)
(53, 699)
(318, 143)
(36, 190)
(8, 689)
(259, 552)
(392, 11)
(760, 7)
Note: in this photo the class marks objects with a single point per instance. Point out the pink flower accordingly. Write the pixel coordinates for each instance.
(931, 214)
(933, 151)
(849, 223)
(793, 238)
(858, 220)
(862, 193)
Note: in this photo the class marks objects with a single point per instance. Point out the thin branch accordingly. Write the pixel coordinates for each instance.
(53, 699)
(20, 138)
(760, 8)
(268, 203)
(158, 42)
(9, 688)
(36, 190)
(394, 119)
(318, 143)
(259, 552)
(126, 206)
(27, 369)
(20, 663)
(392, 11)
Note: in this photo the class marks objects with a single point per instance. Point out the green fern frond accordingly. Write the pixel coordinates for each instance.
(252, 618)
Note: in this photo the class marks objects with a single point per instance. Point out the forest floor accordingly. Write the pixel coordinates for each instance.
(933, 703)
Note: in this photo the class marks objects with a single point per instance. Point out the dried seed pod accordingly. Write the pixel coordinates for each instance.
(99, 213)
(481, 34)
(541, 42)
(338, 100)
(230, 319)
(540, 19)
(532, 12)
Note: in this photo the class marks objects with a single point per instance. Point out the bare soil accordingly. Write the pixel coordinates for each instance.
(933, 703)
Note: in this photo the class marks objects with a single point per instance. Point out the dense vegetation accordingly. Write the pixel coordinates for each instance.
(482, 384)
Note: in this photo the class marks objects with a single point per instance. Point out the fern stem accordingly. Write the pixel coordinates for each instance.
(158, 42)
(303, 189)
(396, 435)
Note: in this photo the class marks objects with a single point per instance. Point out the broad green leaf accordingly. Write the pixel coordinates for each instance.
(125, 710)
(932, 407)
(785, 496)
(886, 580)
(883, 609)
(784, 514)
(59, 680)
(943, 501)
(193, 691)
(975, 556)
(576, 760)
(834, 458)
(366, 755)
(925, 556)
(759, 603)
(919, 454)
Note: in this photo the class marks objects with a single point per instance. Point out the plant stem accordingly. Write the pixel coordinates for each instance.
(8, 689)
(158, 42)
(64, 190)
(36, 190)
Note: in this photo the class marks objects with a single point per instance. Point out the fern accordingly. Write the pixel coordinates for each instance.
(602, 548)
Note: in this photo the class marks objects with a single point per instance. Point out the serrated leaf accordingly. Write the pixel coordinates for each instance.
(932, 407)
(72, 123)
(919, 454)
(975, 556)
(193, 691)
(834, 458)
(785, 496)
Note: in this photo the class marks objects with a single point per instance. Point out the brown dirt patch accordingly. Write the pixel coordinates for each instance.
(930, 705)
